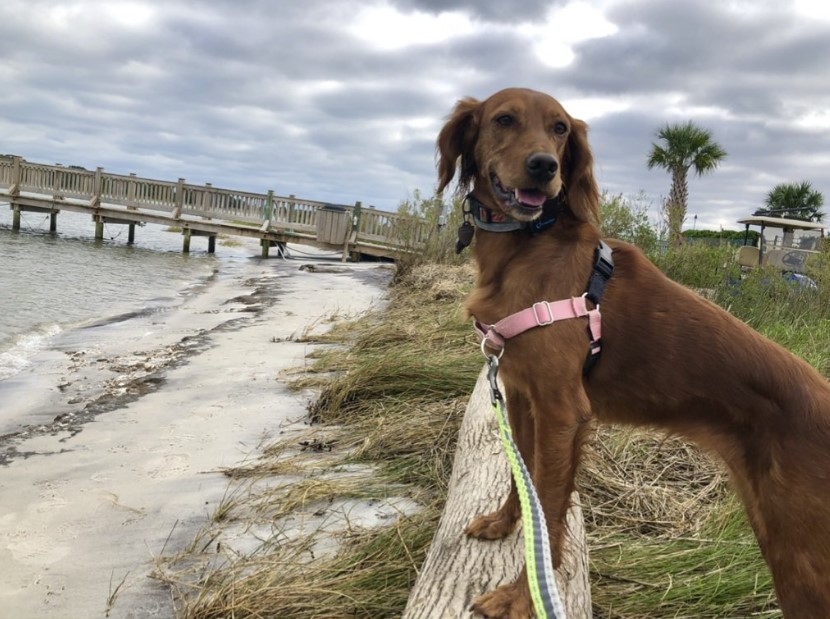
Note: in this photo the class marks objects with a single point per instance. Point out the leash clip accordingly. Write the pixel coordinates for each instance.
(492, 375)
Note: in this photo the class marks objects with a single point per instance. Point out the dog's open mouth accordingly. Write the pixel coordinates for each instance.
(524, 202)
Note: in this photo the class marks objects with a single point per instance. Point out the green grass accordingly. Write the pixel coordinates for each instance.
(717, 572)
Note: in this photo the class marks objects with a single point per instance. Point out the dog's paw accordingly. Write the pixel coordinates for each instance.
(492, 526)
(507, 602)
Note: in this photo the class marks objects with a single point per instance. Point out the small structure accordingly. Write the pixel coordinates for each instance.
(788, 251)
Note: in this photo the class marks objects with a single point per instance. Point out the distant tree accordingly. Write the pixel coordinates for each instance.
(721, 237)
(794, 201)
(683, 147)
(737, 235)
(627, 219)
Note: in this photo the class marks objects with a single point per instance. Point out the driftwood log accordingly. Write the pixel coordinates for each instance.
(457, 568)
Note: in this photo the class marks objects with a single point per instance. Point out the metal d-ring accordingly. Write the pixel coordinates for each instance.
(488, 355)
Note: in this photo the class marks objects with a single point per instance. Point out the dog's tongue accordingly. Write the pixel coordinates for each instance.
(530, 197)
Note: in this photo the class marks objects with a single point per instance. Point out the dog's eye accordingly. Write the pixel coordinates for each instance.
(560, 128)
(505, 120)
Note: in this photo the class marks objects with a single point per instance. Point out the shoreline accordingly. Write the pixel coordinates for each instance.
(135, 421)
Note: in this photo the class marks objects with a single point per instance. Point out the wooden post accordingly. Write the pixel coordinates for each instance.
(131, 205)
(458, 568)
(131, 234)
(14, 190)
(212, 244)
(56, 184)
(356, 212)
(358, 207)
(266, 246)
(99, 227)
(186, 243)
(205, 203)
(53, 222)
(96, 196)
(268, 215)
(177, 210)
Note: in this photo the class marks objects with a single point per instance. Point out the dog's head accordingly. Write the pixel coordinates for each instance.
(518, 149)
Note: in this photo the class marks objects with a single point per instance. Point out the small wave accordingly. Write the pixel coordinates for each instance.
(23, 347)
(11, 364)
(115, 318)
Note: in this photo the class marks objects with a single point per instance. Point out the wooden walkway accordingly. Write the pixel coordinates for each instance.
(204, 210)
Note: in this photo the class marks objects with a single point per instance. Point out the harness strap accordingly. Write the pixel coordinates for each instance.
(544, 313)
(601, 273)
(539, 315)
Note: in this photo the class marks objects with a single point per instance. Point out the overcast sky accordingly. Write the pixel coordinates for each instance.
(341, 100)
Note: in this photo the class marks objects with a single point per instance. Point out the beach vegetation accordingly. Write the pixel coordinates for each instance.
(667, 537)
(627, 219)
(228, 241)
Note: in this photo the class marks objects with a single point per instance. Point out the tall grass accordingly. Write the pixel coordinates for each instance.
(439, 247)
(794, 315)
(717, 572)
(666, 536)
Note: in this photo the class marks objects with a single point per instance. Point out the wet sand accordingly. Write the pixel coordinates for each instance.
(111, 451)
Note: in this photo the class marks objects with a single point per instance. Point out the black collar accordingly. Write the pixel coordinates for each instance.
(485, 219)
(489, 220)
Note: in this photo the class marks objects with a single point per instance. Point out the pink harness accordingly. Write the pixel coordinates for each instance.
(539, 315)
(547, 312)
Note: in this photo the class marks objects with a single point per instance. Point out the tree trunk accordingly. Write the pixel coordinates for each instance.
(457, 568)
(676, 206)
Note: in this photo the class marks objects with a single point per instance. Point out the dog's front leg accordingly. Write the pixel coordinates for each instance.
(502, 522)
(560, 429)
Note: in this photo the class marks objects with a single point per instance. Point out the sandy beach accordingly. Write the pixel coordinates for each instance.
(111, 452)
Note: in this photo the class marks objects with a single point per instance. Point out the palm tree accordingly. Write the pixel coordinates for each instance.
(684, 146)
(794, 201)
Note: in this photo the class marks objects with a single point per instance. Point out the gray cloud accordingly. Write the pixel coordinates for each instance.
(504, 12)
(284, 96)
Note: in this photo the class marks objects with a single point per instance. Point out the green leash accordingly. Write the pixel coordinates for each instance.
(540, 575)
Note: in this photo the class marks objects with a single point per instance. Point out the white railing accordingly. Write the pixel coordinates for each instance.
(18, 176)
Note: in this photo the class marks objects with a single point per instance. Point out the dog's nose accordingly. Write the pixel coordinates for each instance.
(541, 166)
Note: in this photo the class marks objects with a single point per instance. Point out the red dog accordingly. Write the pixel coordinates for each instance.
(670, 359)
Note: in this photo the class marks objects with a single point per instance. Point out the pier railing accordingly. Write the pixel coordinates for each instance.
(332, 224)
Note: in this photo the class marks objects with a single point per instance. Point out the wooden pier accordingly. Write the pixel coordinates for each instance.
(204, 210)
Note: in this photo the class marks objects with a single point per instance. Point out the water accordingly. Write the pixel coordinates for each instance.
(50, 284)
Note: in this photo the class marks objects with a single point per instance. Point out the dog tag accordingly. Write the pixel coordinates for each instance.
(465, 236)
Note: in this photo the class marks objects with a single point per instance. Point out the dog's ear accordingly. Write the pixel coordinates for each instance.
(457, 140)
(580, 185)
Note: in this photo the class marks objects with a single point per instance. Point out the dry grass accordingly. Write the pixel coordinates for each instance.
(666, 537)
(648, 484)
